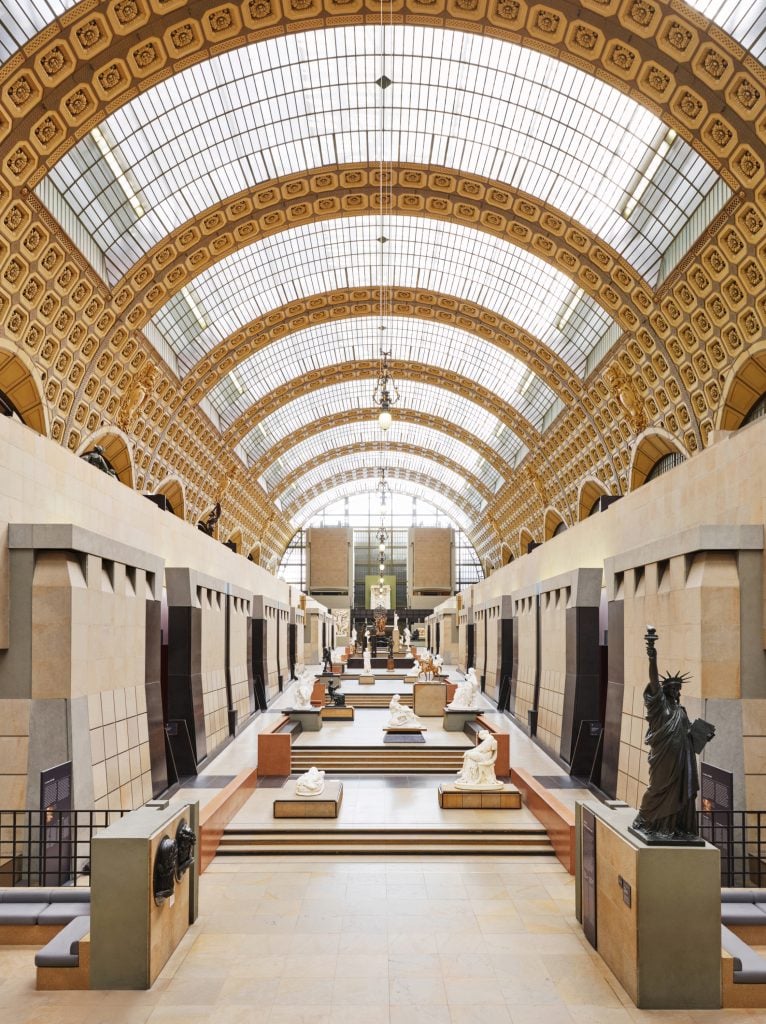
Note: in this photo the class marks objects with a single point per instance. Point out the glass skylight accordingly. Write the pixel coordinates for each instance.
(20, 20)
(333, 492)
(409, 341)
(357, 394)
(414, 437)
(309, 100)
(374, 461)
(344, 253)
(744, 20)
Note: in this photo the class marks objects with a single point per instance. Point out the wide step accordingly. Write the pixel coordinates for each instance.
(375, 700)
(380, 760)
(516, 841)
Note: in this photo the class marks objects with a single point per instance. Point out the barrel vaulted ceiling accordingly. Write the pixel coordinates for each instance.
(212, 221)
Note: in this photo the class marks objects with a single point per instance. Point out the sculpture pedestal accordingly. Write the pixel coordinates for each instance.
(309, 718)
(652, 912)
(396, 641)
(428, 699)
(326, 805)
(405, 728)
(456, 721)
(366, 680)
(451, 798)
(338, 714)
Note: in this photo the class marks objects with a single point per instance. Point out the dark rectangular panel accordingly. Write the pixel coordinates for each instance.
(153, 688)
(614, 694)
(582, 675)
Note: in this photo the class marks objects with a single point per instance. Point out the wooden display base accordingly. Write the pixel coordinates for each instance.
(405, 728)
(365, 680)
(506, 799)
(326, 805)
(339, 714)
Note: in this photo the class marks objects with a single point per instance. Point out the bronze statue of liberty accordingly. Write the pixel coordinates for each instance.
(668, 812)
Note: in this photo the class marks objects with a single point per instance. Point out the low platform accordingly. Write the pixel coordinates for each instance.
(310, 719)
(455, 720)
(326, 805)
(365, 680)
(506, 799)
(338, 714)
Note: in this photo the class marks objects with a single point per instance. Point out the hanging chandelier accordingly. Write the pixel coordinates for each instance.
(383, 488)
(386, 393)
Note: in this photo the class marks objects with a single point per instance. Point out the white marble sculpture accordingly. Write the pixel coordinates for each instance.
(303, 690)
(438, 662)
(402, 717)
(467, 694)
(478, 771)
(353, 637)
(367, 659)
(396, 620)
(407, 637)
(310, 784)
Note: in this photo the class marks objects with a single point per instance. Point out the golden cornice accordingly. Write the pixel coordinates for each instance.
(370, 447)
(403, 415)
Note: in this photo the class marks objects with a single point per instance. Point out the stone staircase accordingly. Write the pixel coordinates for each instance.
(523, 840)
(379, 760)
(374, 700)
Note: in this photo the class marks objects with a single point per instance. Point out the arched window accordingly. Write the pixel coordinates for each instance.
(7, 408)
(560, 528)
(756, 411)
(594, 507)
(664, 465)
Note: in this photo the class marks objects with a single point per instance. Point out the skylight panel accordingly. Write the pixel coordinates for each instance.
(241, 117)
(337, 398)
(342, 253)
(333, 492)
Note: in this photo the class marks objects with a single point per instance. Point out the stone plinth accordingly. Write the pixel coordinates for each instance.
(453, 799)
(405, 728)
(428, 699)
(326, 805)
(456, 721)
(339, 714)
(309, 718)
(366, 680)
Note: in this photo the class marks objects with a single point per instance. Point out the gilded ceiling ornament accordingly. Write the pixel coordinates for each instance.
(624, 389)
(141, 385)
(537, 485)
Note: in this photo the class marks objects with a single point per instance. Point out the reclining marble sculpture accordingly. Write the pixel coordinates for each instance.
(466, 696)
(311, 783)
(478, 771)
(402, 717)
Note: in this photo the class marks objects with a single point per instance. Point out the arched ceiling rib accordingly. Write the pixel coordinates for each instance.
(309, 99)
(365, 372)
(361, 339)
(345, 253)
(307, 439)
(365, 478)
(374, 446)
(289, 418)
(445, 478)
(330, 308)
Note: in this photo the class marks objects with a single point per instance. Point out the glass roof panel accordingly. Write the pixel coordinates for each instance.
(744, 21)
(308, 99)
(416, 490)
(20, 20)
(409, 463)
(410, 434)
(356, 394)
(420, 253)
(409, 341)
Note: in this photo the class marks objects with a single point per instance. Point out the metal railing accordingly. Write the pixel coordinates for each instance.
(48, 847)
(741, 838)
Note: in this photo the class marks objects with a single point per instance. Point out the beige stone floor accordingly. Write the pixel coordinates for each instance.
(368, 940)
(340, 940)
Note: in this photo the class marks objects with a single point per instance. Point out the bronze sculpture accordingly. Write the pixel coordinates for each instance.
(668, 812)
(209, 525)
(95, 457)
(165, 861)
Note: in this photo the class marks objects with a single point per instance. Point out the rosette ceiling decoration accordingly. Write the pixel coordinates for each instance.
(215, 217)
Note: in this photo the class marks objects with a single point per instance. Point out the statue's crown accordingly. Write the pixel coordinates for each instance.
(676, 677)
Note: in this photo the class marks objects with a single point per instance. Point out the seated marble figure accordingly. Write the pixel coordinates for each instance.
(303, 691)
(402, 717)
(478, 771)
(311, 783)
(466, 696)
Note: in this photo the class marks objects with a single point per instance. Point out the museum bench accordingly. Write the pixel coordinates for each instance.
(64, 963)
(743, 911)
(31, 916)
(743, 973)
